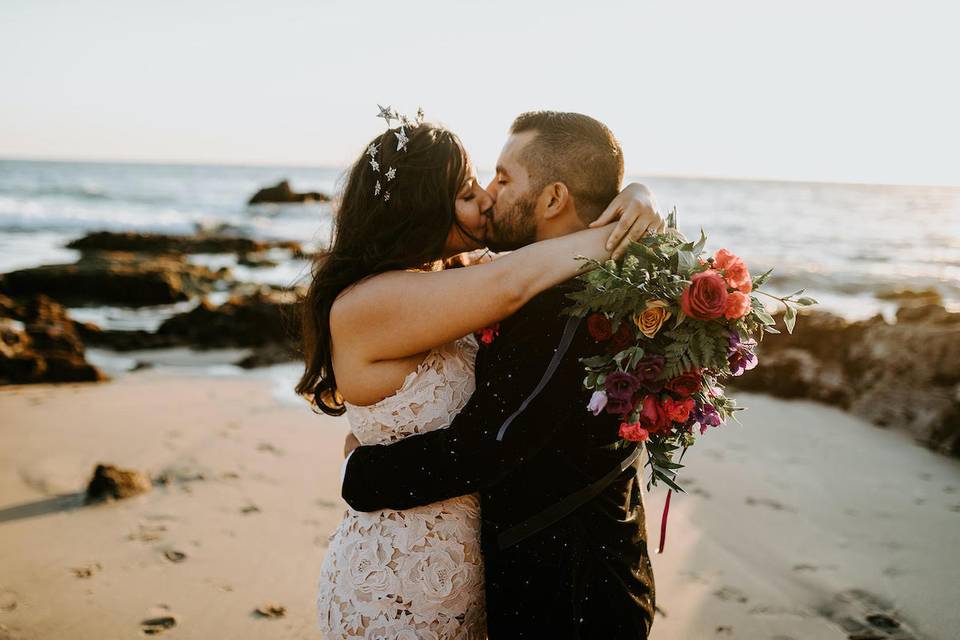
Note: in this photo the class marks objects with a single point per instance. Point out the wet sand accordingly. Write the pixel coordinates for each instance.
(800, 524)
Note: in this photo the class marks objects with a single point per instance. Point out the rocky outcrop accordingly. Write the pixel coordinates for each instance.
(282, 193)
(904, 375)
(164, 243)
(116, 278)
(262, 318)
(39, 343)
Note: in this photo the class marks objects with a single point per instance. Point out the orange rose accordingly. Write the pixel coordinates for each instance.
(738, 305)
(734, 270)
(652, 318)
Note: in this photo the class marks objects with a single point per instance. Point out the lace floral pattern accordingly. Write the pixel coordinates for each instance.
(414, 574)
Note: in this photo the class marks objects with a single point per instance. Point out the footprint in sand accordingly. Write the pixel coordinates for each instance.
(174, 556)
(269, 447)
(270, 610)
(731, 594)
(87, 571)
(148, 532)
(865, 616)
(8, 600)
(159, 624)
(769, 503)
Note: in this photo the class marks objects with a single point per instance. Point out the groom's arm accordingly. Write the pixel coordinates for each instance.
(465, 457)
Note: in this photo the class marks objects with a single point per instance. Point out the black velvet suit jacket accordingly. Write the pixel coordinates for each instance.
(589, 574)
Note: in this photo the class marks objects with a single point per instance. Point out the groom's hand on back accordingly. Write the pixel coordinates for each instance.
(638, 213)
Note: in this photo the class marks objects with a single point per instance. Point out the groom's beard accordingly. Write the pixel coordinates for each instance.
(514, 228)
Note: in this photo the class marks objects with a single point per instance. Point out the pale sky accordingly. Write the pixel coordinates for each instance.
(839, 90)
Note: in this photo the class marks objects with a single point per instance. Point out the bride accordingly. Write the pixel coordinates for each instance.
(388, 340)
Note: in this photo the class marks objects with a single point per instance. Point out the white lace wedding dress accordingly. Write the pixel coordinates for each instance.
(414, 574)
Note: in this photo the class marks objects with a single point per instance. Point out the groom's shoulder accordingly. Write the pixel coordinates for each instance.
(548, 304)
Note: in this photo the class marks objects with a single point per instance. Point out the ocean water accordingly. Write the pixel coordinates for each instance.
(844, 243)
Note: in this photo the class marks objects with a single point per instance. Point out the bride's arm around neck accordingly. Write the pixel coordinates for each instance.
(399, 314)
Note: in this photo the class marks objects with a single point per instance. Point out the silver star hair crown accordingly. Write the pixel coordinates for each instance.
(389, 114)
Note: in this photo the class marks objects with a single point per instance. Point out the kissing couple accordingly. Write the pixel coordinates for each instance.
(484, 499)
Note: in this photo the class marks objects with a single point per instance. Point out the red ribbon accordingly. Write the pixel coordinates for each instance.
(663, 521)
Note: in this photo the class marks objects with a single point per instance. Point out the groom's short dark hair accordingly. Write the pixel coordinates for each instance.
(574, 149)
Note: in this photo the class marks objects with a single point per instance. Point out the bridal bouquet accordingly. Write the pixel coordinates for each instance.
(674, 324)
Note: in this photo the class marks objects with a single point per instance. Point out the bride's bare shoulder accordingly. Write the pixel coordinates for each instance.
(365, 296)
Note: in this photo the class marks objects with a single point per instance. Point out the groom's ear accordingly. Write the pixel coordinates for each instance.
(555, 197)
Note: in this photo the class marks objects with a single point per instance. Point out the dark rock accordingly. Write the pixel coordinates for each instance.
(282, 193)
(164, 243)
(261, 318)
(926, 313)
(127, 339)
(911, 297)
(269, 354)
(109, 482)
(904, 375)
(254, 260)
(39, 343)
(116, 278)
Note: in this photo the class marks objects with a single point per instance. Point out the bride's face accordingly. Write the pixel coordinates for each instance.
(472, 202)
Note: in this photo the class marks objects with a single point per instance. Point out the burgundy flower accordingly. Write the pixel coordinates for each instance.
(650, 367)
(619, 406)
(621, 385)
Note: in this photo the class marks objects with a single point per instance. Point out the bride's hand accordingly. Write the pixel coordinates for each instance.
(638, 215)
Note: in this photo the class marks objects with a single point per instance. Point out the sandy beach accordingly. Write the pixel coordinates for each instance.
(800, 524)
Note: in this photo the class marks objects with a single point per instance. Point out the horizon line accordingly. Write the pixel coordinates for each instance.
(627, 174)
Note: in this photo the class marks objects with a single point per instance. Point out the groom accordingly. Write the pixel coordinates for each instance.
(563, 535)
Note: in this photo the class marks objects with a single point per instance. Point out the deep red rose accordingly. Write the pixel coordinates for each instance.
(652, 417)
(599, 327)
(706, 297)
(622, 338)
(685, 384)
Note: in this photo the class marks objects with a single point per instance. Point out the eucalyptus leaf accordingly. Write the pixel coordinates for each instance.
(790, 318)
(806, 301)
(759, 280)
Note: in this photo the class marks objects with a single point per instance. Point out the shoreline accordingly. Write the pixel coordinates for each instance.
(802, 516)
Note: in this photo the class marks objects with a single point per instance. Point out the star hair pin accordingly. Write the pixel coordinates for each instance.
(389, 114)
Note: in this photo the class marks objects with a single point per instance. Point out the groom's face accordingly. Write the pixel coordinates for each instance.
(513, 223)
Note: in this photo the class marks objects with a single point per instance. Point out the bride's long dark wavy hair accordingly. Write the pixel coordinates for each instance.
(372, 236)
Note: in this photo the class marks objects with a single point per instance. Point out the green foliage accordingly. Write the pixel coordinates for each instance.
(699, 344)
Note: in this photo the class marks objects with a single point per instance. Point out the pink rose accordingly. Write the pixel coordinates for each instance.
(706, 297)
(738, 305)
(734, 270)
